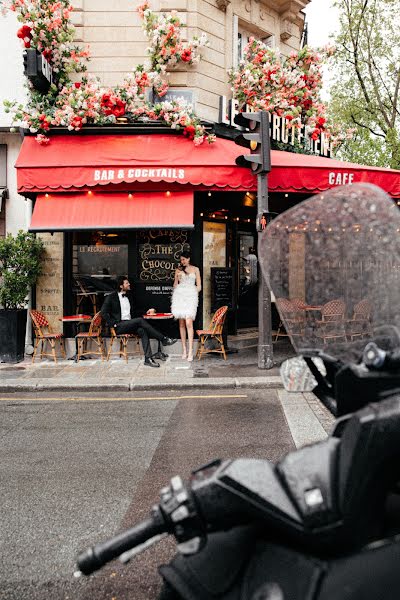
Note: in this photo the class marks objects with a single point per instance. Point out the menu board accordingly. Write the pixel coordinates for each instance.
(158, 254)
(221, 287)
(49, 286)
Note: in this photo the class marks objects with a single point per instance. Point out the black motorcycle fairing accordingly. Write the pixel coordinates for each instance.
(237, 565)
(275, 572)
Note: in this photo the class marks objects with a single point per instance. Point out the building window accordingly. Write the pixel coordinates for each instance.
(242, 38)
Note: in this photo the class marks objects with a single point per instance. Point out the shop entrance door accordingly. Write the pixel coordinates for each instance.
(247, 278)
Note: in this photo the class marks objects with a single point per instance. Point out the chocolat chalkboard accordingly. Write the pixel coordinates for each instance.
(221, 287)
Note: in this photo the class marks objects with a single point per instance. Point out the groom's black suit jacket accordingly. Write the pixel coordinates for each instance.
(111, 309)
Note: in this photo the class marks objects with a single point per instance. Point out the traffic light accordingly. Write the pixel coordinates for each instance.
(257, 140)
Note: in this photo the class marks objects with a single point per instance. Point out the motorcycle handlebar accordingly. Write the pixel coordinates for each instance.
(97, 556)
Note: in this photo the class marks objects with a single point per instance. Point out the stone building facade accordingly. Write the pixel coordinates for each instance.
(113, 30)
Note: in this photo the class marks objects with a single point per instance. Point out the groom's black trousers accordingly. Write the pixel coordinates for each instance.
(143, 329)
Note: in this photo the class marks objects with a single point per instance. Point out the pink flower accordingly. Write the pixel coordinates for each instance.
(42, 139)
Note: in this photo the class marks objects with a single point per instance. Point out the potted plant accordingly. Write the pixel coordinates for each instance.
(20, 266)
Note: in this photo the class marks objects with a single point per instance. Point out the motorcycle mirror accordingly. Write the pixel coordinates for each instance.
(297, 377)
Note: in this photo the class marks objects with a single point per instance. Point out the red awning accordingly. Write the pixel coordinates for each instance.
(84, 161)
(304, 173)
(75, 162)
(98, 210)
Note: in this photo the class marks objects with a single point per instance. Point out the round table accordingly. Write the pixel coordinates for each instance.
(77, 321)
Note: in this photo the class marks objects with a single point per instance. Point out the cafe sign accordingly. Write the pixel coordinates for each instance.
(279, 132)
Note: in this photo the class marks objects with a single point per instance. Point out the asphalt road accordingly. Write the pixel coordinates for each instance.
(75, 471)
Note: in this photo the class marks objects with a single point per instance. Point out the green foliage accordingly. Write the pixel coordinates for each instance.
(20, 266)
(366, 89)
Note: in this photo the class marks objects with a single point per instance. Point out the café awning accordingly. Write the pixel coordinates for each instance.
(70, 163)
(102, 210)
(81, 162)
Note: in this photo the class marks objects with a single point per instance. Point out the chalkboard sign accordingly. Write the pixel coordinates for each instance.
(221, 287)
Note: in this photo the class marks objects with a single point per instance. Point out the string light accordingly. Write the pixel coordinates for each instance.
(286, 195)
(168, 193)
(129, 195)
(46, 195)
(89, 193)
(201, 214)
(209, 194)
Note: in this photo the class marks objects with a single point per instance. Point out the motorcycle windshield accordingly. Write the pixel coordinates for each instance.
(333, 265)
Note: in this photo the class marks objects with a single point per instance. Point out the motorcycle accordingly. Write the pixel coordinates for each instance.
(323, 523)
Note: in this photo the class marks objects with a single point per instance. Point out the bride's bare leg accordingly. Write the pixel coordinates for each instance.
(182, 331)
(189, 327)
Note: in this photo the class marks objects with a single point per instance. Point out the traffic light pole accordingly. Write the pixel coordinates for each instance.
(265, 353)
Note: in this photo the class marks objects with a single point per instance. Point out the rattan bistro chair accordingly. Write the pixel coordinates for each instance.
(360, 323)
(123, 339)
(294, 316)
(44, 334)
(213, 332)
(332, 324)
(93, 335)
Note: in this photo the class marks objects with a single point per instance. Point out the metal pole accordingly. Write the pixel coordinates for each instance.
(265, 353)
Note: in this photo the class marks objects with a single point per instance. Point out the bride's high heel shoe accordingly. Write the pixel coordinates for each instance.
(184, 355)
(190, 357)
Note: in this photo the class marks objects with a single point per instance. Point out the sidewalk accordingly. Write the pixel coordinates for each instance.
(239, 370)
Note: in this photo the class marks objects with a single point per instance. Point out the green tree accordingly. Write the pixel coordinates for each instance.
(366, 86)
(20, 266)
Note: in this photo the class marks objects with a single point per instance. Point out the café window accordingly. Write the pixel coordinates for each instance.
(98, 258)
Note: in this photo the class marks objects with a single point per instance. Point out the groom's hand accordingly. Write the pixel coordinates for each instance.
(151, 311)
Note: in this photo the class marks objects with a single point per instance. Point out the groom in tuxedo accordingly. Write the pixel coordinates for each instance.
(117, 313)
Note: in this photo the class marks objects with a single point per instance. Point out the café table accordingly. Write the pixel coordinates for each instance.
(77, 321)
(159, 317)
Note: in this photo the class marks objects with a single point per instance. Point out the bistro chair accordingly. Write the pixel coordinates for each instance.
(214, 332)
(82, 292)
(360, 323)
(123, 339)
(92, 336)
(294, 317)
(332, 323)
(45, 334)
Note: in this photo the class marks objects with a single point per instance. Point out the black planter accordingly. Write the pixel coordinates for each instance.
(12, 335)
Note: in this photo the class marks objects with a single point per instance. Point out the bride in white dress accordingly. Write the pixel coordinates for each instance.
(185, 299)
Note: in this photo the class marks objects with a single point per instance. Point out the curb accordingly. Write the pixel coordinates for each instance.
(272, 382)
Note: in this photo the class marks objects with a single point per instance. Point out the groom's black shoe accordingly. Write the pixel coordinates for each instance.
(168, 341)
(150, 362)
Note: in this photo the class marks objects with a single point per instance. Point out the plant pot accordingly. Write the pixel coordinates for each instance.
(12, 335)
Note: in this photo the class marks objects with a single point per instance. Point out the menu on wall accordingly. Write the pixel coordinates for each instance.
(158, 257)
(221, 287)
(49, 287)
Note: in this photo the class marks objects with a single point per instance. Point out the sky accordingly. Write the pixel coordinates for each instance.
(322, 20)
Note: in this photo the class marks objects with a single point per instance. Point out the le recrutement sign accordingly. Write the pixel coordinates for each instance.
(279, 131)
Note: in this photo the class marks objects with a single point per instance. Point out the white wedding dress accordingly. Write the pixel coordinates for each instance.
(185, 297)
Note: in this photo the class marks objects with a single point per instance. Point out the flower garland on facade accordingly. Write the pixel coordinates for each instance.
(47, 28)
(285, 86)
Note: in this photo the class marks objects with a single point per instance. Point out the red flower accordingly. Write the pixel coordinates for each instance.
(307, 104)
(106, 100)
(77, 84)
(186, 55)
(189, 131)
(77, 122)
(315, 134)
(47, 54)
(321, 121)
(119, 108)
(24, 32)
